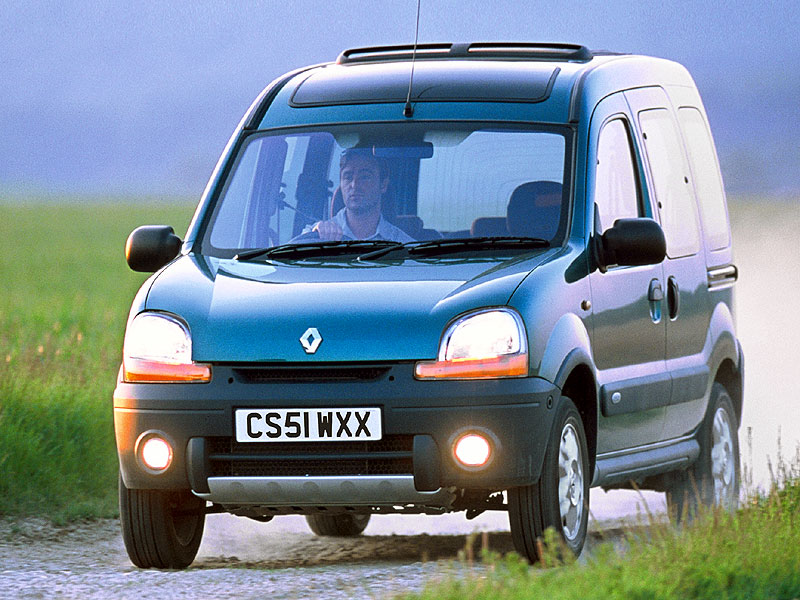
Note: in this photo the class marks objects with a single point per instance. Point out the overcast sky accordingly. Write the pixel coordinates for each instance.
(120, 99)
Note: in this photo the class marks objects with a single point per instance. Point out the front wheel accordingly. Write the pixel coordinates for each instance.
(341, 525)
(161, 529)
(560, 499)
(713, 480)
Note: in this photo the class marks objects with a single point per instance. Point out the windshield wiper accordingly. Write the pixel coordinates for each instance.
(387, 250)
(326, 248)
(477, 243)
(453, 245)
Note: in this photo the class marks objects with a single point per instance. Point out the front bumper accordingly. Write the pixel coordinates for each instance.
(420, 422)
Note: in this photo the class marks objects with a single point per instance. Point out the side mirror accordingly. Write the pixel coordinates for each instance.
(150, 247)
(632, 242)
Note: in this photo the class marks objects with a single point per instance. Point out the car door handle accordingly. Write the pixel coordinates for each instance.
(655, 293)
(673, 298)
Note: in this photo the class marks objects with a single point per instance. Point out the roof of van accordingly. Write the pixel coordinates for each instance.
(563, 76)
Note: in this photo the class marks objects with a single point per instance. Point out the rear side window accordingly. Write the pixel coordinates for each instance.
(671, 182)
(616, 190)
(707, 179)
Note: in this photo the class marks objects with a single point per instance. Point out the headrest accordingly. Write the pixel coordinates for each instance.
(337, 202)
(534, 209)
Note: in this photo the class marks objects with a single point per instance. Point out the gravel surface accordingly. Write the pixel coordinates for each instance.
(88, 560)
(240, 558)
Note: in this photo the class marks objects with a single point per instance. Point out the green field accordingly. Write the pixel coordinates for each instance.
(65, 299)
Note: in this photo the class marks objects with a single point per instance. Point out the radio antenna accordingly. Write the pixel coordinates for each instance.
(408, 110)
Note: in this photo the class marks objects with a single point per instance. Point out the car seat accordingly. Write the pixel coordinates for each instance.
(337, 202)
(488, 227)
(414, 227)
(534, 209)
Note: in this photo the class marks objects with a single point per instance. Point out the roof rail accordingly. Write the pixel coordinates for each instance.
(505, 50)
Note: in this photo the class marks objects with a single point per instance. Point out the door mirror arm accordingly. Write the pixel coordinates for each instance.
(596, 245)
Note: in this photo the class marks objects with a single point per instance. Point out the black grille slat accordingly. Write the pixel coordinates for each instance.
(310, 468)
(390, 443)
(349, 456)
(389, 456)
(309, 374)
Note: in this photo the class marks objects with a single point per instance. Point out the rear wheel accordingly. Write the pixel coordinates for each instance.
(713, 480)
(560, 499)
(341, 525)
(161, 528)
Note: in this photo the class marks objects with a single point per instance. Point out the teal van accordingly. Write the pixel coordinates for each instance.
(456, 277)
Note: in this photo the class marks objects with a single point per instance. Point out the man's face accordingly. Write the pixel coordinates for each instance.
(361, 185)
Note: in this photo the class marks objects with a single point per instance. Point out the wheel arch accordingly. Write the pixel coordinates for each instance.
(731, 377)
(580, 386)
(567, 362)
(726, 358)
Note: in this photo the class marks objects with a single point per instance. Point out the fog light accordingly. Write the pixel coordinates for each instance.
(156, 454)
(472, 450)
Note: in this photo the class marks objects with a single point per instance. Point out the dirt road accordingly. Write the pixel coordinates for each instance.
(89, 561)
(243, 559)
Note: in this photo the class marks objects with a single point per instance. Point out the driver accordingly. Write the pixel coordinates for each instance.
(362, 182)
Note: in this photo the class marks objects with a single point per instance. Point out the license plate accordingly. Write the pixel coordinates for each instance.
(308, 424)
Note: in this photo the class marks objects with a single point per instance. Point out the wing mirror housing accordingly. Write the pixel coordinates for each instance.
(631, 242)
(150, 247)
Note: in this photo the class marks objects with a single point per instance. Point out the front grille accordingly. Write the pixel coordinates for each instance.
(389, 456)
(309, 374)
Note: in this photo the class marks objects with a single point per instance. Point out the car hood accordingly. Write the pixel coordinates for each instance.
(257, 311)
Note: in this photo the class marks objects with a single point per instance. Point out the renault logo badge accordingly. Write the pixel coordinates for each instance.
(311, 340)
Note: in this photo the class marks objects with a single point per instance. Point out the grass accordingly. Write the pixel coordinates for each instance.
(752, 555)
(65, 298)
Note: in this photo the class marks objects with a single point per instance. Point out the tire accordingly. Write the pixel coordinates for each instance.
(161, 529)
(713, 480)
(560, 499)
(341, 525)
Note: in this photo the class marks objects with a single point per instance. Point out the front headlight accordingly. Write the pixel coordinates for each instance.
(487, 344)
(158, 348)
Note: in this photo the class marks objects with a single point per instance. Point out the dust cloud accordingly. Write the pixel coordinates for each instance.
(767, 253)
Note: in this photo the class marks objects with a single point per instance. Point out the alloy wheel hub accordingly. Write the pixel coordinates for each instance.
(570, 482)
(722, 461)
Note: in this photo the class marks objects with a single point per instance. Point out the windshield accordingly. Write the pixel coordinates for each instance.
(403, 183)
